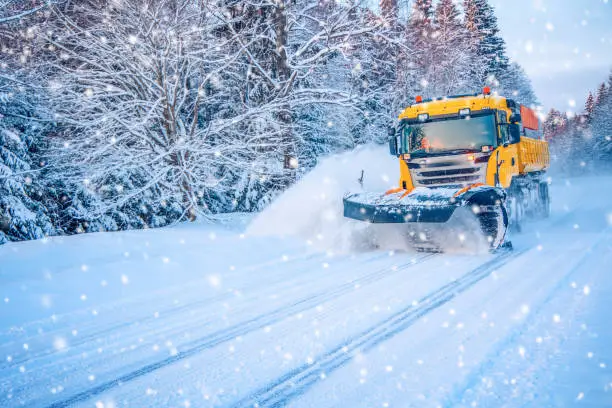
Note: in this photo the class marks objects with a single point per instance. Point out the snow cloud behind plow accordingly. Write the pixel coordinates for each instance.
(312, 209)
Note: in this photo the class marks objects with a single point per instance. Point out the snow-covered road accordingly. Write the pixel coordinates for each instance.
(206, 315)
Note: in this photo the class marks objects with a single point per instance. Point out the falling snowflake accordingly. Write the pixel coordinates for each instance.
(59, 343)
(214, 280)
(46, 301)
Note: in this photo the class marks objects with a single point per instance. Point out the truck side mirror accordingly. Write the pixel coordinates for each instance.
(514, 133)
(392, 141)
(515, 117)
(393, 146)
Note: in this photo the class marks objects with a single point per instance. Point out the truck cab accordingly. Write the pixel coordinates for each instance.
(467, 139)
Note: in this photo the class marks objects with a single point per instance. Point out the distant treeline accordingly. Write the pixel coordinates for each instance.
(582, 142)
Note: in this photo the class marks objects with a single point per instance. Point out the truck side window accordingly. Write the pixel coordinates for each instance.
(503, 130)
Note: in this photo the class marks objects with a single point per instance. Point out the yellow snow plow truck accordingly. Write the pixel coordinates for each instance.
(471, 166)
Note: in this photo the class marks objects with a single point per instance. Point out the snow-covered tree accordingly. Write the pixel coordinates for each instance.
(317, 59)
(389, 10)
(554, 123)
(601, 93)
(451, 57)
(514, 83)
(12, 11)
(198, 106)
(419, 38)
(583, 142)
(133, 92)
(602, 124)
(589, 106)
(22, 213)
(488, 45)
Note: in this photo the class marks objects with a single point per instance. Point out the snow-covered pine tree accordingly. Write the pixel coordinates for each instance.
(381, 70)
(451, 59)
(421, 18)
(554, 123)
(601, 125)
(601, 92)
(488, 45)
(515, 83)
(389, 11)
(589, 106)
(22, 213)
(419, 38)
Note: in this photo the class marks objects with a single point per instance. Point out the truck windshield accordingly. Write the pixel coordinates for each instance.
(443, 136)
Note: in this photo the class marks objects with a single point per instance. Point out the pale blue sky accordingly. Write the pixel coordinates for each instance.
(564, 45)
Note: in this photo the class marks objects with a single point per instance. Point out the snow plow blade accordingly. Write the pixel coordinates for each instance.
(437, 218)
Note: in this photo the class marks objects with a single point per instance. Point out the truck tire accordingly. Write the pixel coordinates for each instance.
(516, 212)
(544, 200)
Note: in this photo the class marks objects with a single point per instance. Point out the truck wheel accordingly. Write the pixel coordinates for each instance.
(544, 200)
(516, 212)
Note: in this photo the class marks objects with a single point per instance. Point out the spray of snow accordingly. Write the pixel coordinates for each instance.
(312, 209)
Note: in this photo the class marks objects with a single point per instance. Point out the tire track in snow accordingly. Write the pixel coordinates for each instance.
(171, 311)
(473, 379)
(278, 392)
(240, 329)
(8, 380)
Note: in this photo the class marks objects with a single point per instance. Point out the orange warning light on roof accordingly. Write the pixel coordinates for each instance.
(486, 90)
(419, 99)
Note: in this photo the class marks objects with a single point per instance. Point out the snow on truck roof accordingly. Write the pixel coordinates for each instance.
(453, 104)
(476, 102)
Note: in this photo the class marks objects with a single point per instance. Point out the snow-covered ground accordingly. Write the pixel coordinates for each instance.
(284, 312)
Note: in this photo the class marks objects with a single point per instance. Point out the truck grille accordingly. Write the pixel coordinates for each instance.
(445, 170)
(451, 172)
(450, 180)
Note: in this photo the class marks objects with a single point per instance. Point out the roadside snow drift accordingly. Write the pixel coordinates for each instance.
(312, 209)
